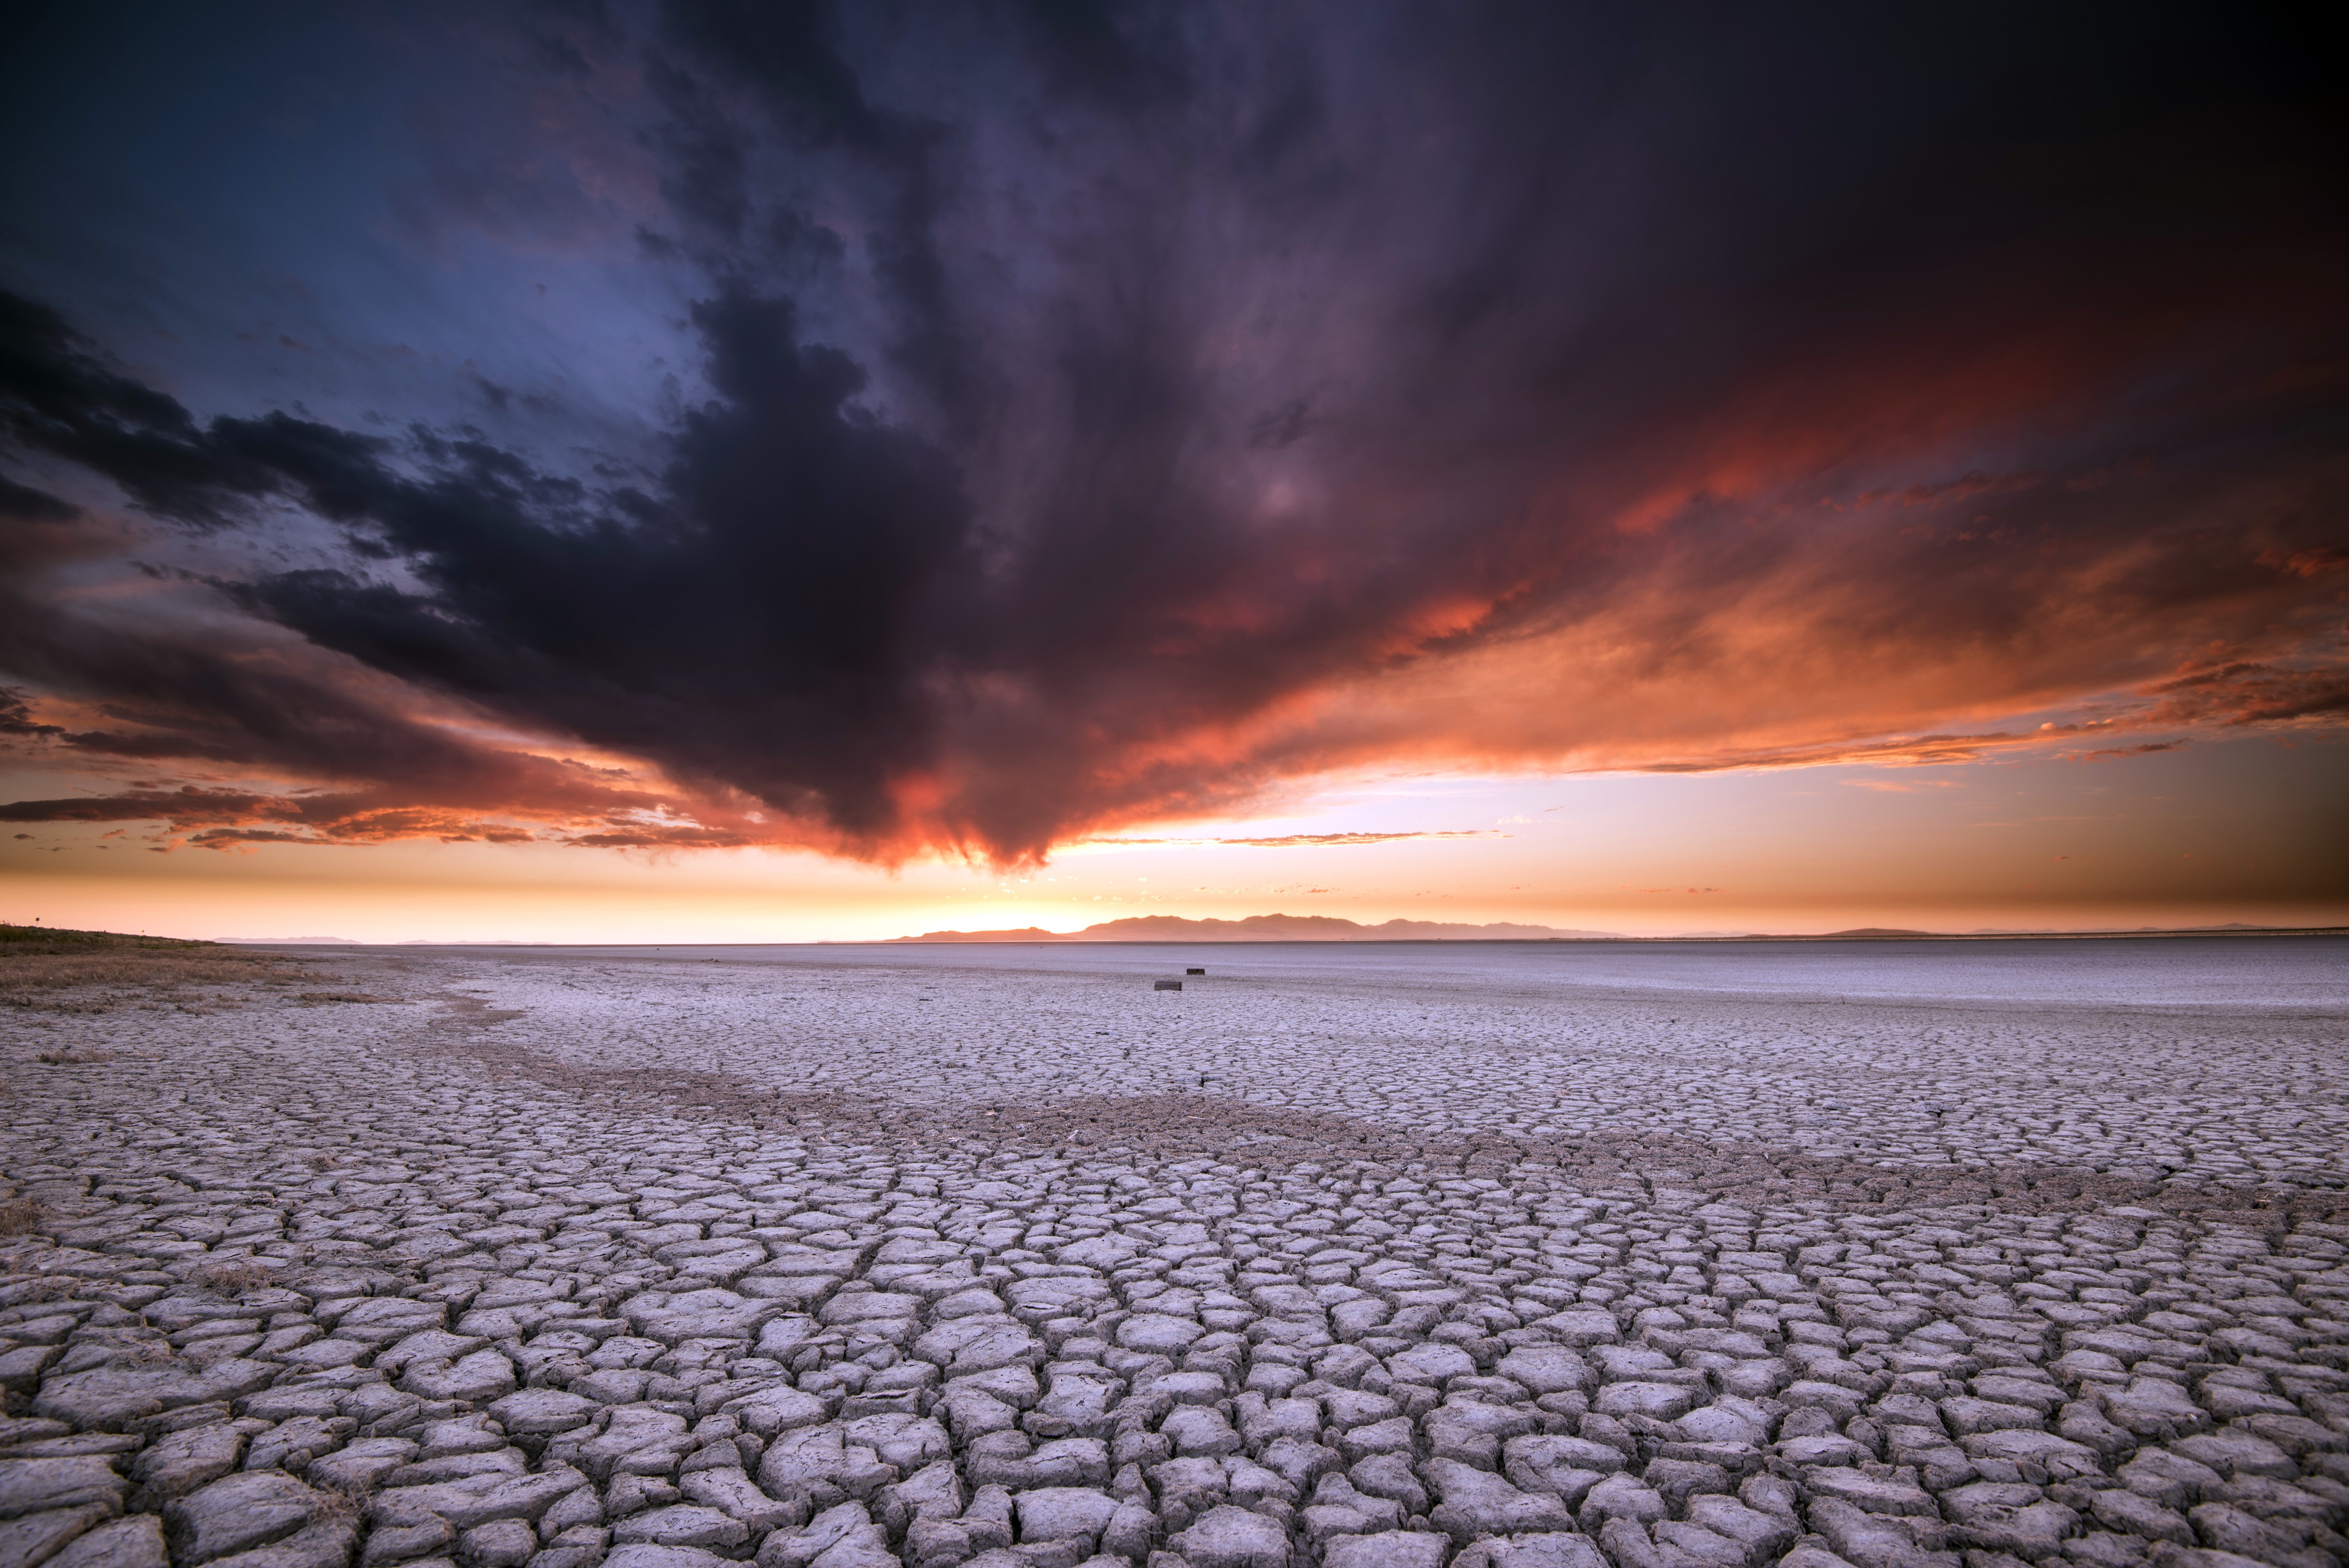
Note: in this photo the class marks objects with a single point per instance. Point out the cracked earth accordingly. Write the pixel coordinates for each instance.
(847, 1259)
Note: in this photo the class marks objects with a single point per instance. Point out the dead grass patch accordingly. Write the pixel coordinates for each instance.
(92, 971)
(346, 1506)
(19, 940)
(24, 1217)
(230, 1276)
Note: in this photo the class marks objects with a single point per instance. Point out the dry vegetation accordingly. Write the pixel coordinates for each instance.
(93, 971)
(230, 1276)
(341, 1502)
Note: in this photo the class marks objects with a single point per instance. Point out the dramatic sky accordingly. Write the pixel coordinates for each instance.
(714, 470)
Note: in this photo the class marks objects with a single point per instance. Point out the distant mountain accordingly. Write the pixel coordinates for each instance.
(2129, 930)
(1879, 931)
(1026, 934)
(1265, 928)
(293, 941)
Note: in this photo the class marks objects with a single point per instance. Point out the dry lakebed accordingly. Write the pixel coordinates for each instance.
(1504, 1255)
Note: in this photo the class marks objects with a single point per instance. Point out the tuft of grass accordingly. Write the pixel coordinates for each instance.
(338, 1505)
(23, 1217)
(230, 1276)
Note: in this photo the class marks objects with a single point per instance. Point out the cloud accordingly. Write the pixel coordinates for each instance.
(1307, 841)
(23, 502)
(16, 716)
(1085, 418)
(2242, 692)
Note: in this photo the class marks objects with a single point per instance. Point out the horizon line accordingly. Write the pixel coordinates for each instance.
(1054, 939)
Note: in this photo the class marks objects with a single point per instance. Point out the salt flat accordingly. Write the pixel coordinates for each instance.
(1534, 1255)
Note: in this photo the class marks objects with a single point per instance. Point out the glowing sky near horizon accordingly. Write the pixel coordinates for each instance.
(708, 471)
(2043, 845)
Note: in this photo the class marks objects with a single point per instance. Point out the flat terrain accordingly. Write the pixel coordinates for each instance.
(1538, 1255)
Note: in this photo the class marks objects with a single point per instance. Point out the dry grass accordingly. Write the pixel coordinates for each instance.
(230, 1276)
(92, 971)
(23, 1217)
(20, 941)
(336, 1505)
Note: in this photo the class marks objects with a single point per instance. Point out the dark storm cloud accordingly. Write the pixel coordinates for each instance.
(766, 624)
(169, 694)
(1105, 411)
(25, 502)
(16, 716)
(781, 588)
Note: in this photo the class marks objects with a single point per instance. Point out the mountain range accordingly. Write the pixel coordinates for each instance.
(1262, 928)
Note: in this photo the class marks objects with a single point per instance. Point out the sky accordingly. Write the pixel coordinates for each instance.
(735, 472)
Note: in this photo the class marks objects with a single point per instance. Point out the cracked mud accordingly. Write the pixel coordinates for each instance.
(844, 1260)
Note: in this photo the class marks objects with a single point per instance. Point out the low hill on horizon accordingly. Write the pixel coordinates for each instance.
(1330, 928)
(1262, 928)
(55, 969)
(23, 939)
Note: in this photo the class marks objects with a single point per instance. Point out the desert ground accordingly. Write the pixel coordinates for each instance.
(1503, 1255)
